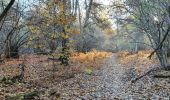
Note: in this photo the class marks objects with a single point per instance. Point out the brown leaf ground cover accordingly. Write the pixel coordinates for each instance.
(148, 87)
(42, 73)
(92, 75)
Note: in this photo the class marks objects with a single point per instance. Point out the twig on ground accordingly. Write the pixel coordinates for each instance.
(148, 72)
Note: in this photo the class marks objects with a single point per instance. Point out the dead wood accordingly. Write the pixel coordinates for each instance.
(147, 73)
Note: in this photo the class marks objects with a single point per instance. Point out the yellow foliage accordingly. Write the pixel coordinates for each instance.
(61, 17)
(122, 54)
(141, 54)
(90, 56)
(109, 31)
(140, 58)
(73, 31)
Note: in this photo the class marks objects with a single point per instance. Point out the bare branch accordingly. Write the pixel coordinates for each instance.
(6, 9)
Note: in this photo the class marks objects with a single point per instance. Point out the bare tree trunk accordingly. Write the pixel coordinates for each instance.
(79, 11)
(88, 13)
(6, 9)
(162, 56)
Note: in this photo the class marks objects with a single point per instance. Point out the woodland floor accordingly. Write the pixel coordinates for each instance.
(96, 75)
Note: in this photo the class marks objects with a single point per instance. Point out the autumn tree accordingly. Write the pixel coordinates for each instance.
(53, 21)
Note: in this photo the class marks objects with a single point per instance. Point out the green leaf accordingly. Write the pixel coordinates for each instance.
(88, 71)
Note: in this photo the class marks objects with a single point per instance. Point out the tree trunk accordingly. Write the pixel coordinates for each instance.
(162, 56)
(11, 51)
(64, 58)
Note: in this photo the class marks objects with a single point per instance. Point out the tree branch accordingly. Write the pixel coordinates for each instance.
(6, 9)
(161, 43)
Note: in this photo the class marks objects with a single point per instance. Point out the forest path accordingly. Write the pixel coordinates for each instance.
(112, 78)
(106, 83)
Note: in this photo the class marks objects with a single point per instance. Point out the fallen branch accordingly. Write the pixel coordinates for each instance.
(148, 72)
(54, 59)
(161, 76)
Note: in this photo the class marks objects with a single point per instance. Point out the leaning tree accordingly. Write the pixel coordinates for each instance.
(152, 17)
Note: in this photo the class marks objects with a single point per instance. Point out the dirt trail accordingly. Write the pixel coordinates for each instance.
(105, 83)
(111, 78)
